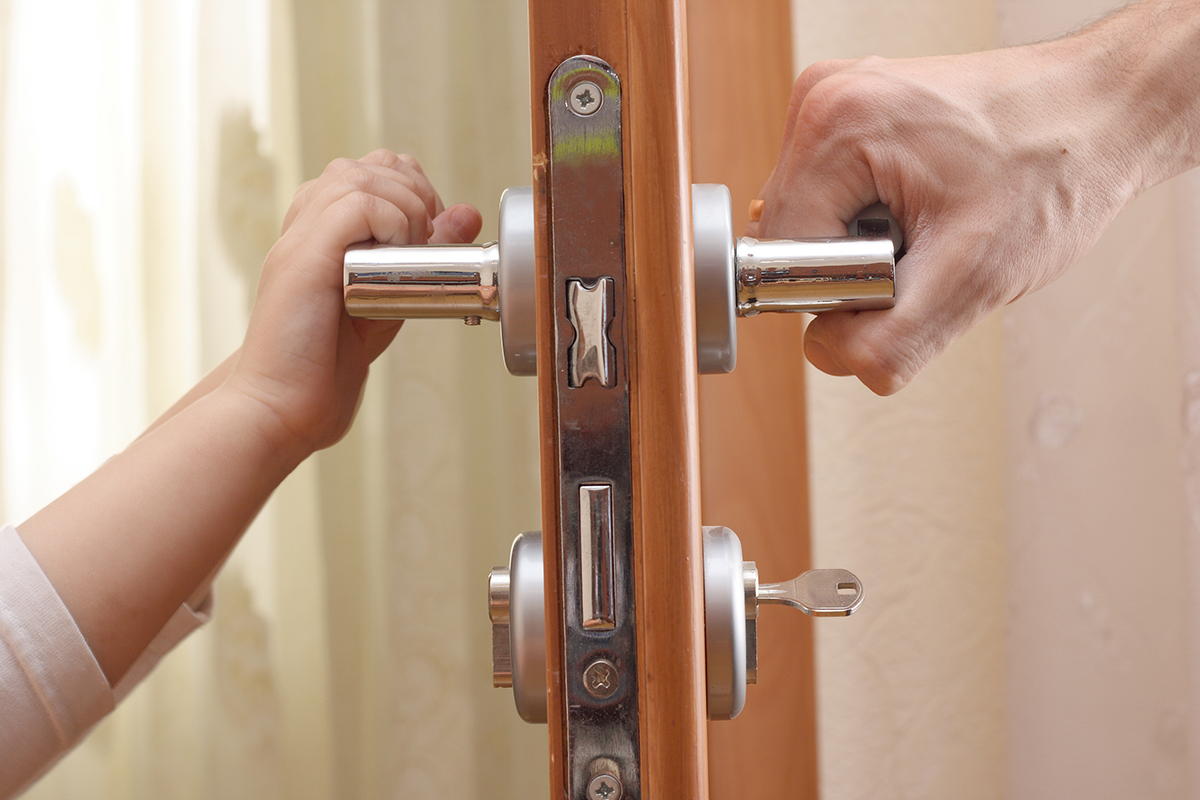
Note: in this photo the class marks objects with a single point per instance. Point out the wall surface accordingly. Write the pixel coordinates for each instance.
(907, 492)
(1097, 545)
(1024, 516)
(1019, 515)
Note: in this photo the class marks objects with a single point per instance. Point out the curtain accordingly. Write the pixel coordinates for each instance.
(148, 152)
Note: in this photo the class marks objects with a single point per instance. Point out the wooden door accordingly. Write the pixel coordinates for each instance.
(754, 473)
(739, 82)
(643, 41)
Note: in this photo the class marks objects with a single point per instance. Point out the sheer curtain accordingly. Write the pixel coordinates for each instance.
(148, 152)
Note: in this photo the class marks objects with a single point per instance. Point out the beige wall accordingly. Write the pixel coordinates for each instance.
(1097, 543)
(350, 653)
(908, 493)
(1019, 513)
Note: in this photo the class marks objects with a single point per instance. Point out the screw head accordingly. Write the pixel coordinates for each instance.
(585, 98)
(601, 678)
(604, 787)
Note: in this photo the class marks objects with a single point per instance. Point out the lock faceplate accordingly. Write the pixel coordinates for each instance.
(596, 618)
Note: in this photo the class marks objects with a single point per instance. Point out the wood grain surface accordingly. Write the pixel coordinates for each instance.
(644, 40)
(752, 421)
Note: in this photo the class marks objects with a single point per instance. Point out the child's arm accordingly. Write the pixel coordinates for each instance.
(135, 540)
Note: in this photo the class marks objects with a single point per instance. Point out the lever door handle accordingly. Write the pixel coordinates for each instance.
(735, 277)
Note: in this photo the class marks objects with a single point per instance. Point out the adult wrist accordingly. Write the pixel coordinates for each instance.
(1141, 69)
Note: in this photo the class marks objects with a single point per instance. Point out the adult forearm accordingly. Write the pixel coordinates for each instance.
(132, 542)
(1144, 61)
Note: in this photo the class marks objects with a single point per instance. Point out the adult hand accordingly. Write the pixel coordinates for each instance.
(1002, 167)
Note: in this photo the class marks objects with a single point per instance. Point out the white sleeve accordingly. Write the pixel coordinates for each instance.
(185, 620)
(52, 690)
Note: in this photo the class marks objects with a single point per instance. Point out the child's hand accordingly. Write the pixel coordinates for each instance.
(304, 359)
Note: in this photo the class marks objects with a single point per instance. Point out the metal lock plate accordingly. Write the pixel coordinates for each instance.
(585, 181)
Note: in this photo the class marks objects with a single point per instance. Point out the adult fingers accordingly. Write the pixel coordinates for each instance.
(810, 77)
(945, 285)
(824, 176)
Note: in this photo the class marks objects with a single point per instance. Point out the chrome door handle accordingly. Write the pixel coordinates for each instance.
(735, 277)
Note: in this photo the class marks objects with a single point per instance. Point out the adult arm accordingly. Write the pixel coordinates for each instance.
(1003, 168)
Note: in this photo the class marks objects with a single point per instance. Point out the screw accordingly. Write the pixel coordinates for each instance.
(604, 787)
(585, 98)
(601, 678)
(471, 320)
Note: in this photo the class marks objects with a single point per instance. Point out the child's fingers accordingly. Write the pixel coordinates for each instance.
(298, 201)
(459, 224)
(361, 217)
(409, 166)
(396, 188)
(382, 173)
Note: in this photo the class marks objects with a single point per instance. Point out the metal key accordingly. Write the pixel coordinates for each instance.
(818, 593)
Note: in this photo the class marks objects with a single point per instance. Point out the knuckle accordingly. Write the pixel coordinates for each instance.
(364, 202)
(340, 166)
(833, 102)
(409, 162)
(854, 103)
(884, 365)
(362, 180)
(811, 76)
(382, 156)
